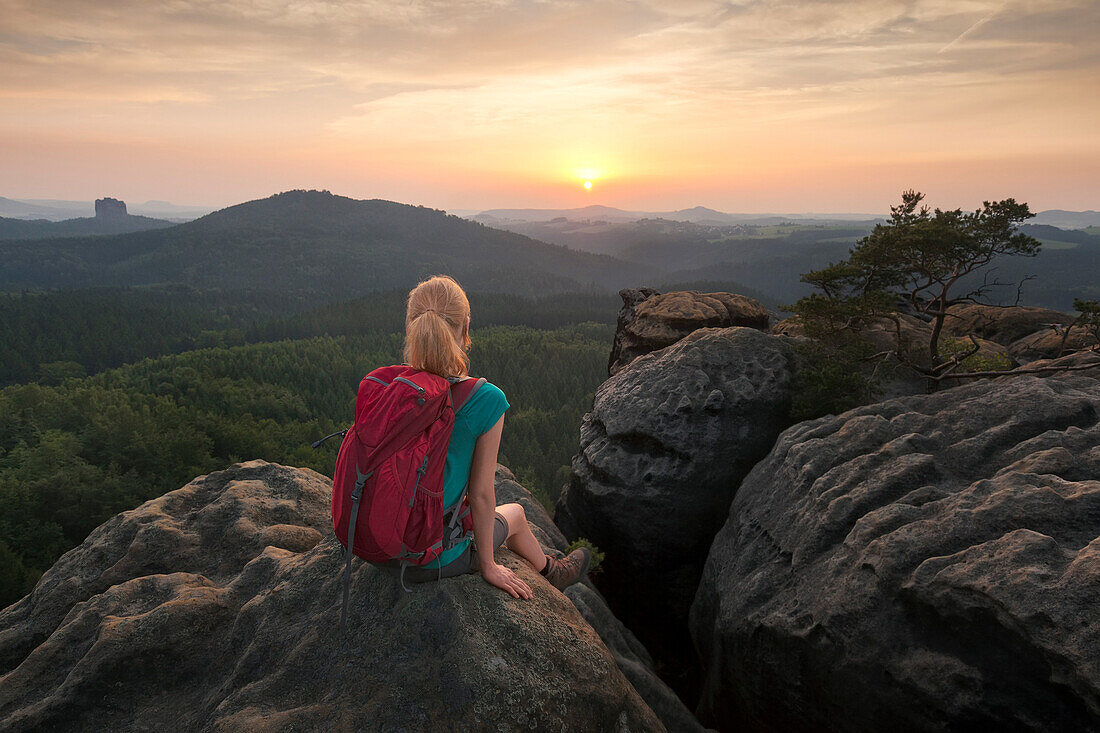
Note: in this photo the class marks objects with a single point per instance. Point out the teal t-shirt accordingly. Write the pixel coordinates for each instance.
(480, 413)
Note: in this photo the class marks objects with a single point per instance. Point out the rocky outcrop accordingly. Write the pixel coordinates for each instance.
(649, 320)
(216, 606)
(1083, 363)
(925, 563)
(109, 208)
(1028, 333)
(664, 447)
(631, 298)
(1050, 343)
(1003, 325)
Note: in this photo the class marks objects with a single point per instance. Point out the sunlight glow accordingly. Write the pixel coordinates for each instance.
(588, 185)
(588, 174)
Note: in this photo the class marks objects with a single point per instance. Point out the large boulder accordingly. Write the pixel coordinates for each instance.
(217, 607)
(649, 320)
(1027, 332)
(1050, 343)
(1001, 324)
(1085, 363)
(662, 451)
(929, 563)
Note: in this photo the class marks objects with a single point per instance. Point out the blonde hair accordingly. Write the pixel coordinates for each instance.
(435, 340)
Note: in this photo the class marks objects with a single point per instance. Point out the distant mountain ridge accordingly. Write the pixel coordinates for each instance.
(313, 241)
(1068, 219)
(695, 215)
(703, 215)
(60, 210)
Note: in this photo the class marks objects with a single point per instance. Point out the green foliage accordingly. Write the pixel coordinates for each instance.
(43, 334)
(1088, 319)
(16, 579)
(83, 226)
(952, 347)
(384, 312)
(597, 556)
(56, 372)
(830, 380)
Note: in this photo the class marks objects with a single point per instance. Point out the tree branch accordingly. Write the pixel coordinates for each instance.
(1013, 372)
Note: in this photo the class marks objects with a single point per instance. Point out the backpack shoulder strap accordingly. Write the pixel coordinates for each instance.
(461, 392)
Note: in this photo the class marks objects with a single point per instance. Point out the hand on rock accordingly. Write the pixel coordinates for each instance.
(505, 579)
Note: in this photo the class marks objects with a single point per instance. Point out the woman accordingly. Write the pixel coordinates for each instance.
(437, 338)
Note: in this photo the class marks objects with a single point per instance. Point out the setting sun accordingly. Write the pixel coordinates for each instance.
(588, 185)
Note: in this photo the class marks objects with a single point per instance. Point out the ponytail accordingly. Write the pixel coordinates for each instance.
(435, 340)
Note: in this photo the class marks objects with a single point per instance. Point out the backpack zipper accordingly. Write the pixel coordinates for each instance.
(419, 474)
(419, 390)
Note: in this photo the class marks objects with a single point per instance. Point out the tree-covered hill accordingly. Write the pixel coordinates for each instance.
(313, 242)
(82, 227)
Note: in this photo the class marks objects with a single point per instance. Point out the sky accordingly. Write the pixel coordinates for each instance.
(743, 106)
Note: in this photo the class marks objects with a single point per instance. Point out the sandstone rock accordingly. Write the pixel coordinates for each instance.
(650, 321)
(926, 563)
(1003, 325)
(1047, 344)
(109, 208)
(909, 334)
(668, 440)
(217, 607)
(212, 527)
(1079, 363)
(631, 298)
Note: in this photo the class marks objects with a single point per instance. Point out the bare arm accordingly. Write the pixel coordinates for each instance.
(483, 504)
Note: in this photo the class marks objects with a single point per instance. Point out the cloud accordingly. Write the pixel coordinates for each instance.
(522, 82)
(230, 47)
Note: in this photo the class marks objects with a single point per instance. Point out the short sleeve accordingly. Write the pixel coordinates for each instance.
(485, 408)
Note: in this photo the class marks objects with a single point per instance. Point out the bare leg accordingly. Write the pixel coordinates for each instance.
(520, 540)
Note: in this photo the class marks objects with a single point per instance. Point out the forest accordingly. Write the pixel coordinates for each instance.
(46, 336)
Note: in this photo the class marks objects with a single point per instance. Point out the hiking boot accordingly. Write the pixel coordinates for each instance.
(568, 570)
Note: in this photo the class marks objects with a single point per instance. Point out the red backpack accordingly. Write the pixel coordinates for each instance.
(387, 489)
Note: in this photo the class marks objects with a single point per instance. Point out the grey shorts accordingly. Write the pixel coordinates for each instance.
(464, 563)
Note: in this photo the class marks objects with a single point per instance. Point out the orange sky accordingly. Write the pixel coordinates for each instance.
(744, 106)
